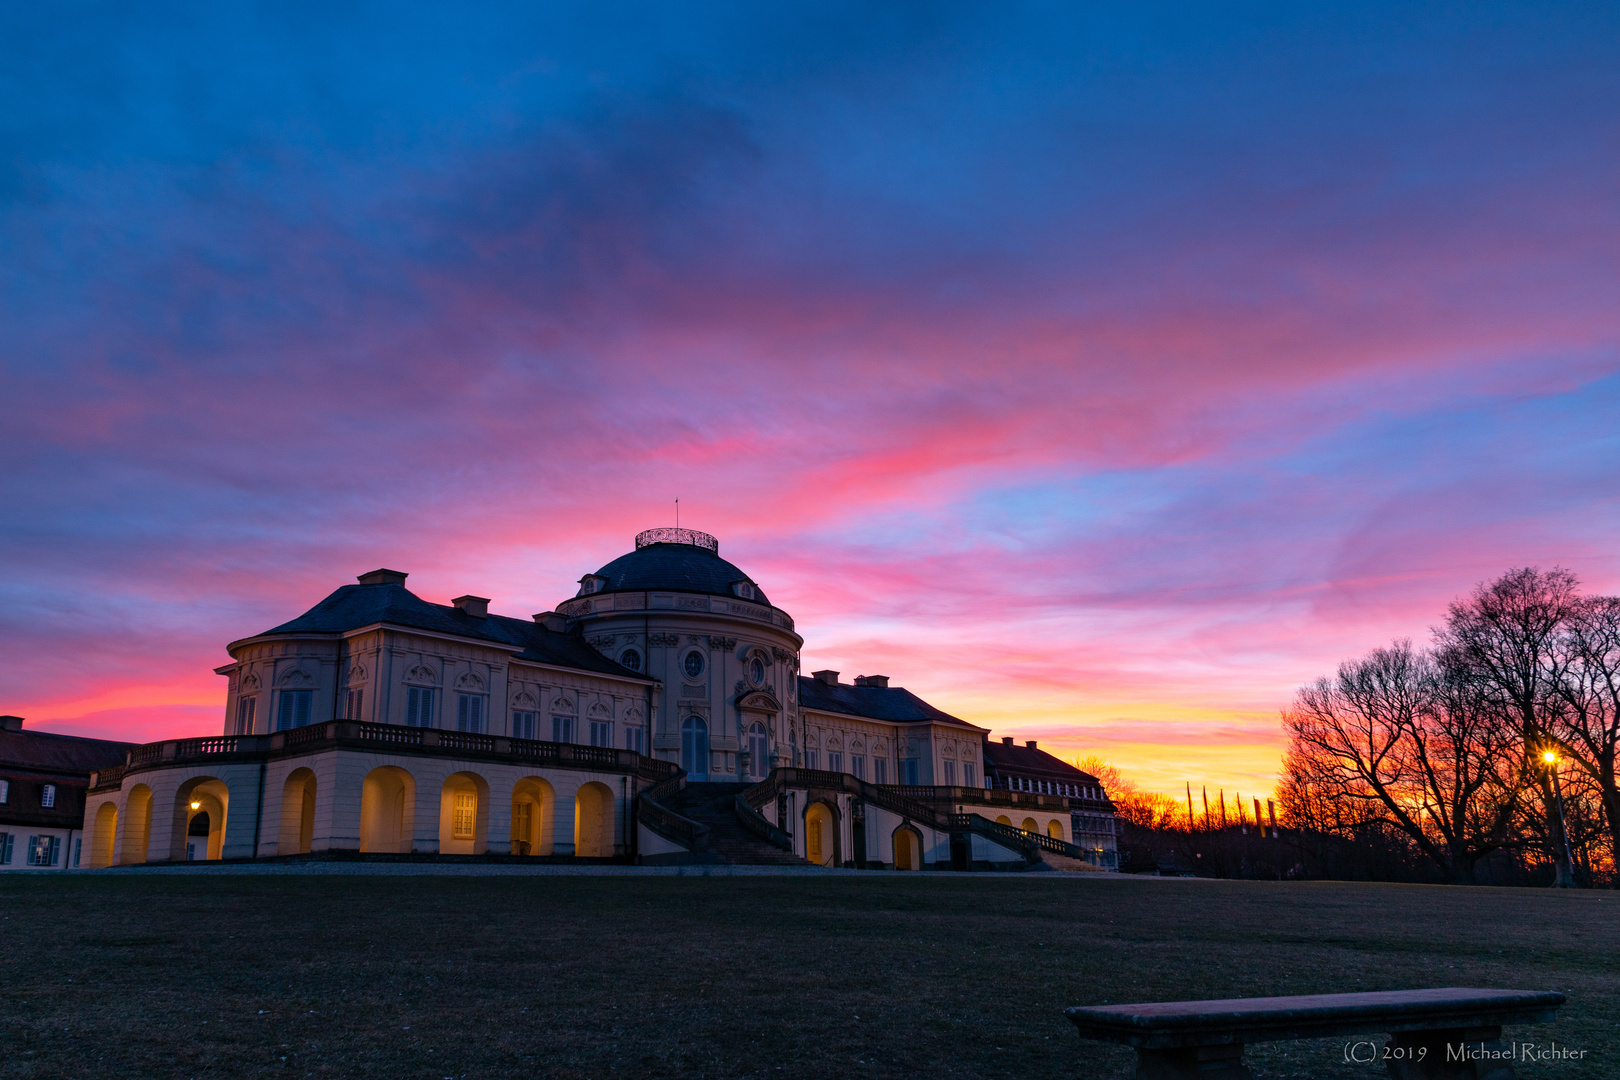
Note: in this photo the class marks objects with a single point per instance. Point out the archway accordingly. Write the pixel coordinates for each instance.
(1054, 829)
(101, 848)
(463, 814)
(1030, 825)
(387, 810)
(137, 825)
(907, 849)
(297, 813)
(593, 821)
(534, 806)
(1003, 819)
(198, 796)
(759, 765)
(695, 748)
(820, 835)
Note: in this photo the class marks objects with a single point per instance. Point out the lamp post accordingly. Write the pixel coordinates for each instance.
(1564, 877)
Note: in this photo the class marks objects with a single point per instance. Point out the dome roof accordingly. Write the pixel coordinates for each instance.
(681, 561)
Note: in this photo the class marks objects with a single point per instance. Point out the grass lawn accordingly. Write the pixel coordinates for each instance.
(114, 975)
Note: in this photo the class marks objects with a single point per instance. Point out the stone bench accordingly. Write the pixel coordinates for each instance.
(1449, 1033)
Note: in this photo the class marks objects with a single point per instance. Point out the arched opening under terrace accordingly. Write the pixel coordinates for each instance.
(907, 849)
(534, 807)
(201, 795)
(593, 821)
(137, 825)
(297, 813)
(387, 810)
(463, 814)
(820, 834)
(106, 825)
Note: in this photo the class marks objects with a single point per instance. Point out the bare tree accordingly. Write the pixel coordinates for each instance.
(1587, 727)
(1400, 736)
(1506, 637)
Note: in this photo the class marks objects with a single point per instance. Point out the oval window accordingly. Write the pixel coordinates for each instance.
(693, 664)
(756, 670)
(631, 659)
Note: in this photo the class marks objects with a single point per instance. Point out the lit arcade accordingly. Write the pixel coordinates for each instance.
(657, 716)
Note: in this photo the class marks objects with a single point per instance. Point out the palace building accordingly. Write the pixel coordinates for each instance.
(657, 716)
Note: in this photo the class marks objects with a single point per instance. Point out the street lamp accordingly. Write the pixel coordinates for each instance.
(1565, 868)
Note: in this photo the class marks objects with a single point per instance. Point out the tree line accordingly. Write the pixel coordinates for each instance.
(1489, 752)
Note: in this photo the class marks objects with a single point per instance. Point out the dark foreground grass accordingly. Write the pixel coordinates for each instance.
(908, 976)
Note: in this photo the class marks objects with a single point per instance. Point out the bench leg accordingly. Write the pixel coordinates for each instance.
(1222, 1062)
(1448, 1055)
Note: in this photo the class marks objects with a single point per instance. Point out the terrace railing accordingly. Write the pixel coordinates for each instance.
(362, 734)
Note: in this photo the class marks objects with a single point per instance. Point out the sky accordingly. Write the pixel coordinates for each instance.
(1101, 373)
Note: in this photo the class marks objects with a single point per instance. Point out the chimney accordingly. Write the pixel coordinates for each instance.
(872, 680)
(1006, 740)
(828, 677)
(11, 723)
(476, 606)
(552, 621)
(1030, 744)
(383, 577)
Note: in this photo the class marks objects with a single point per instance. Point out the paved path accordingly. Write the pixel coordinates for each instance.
(432, 869)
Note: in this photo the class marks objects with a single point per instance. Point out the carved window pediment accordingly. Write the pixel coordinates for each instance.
(296, 677)
(470, 681)
(421, 673)
(599, 711)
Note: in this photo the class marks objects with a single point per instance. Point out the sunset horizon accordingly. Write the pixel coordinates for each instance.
(1100, 377)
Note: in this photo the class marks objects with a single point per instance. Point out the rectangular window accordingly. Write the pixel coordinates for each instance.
(562, 729)
(466, 816)
(353, 702)
(245, 708)
(602, 733)
(880, 770)
(47, 796)
(857, 765)
(5, 792)
(470, 713)
(908, 771)
(77, 843)
(633, 740)
(810, 759)
(419, 706)
(967, 774)
(950, 774)
(42, 850)
(523, 725)
(6, 840)
(835, 761)
(295, 706)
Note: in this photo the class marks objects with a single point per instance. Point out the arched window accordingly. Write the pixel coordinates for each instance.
(695, 748)
(693, 664)
(631, 659)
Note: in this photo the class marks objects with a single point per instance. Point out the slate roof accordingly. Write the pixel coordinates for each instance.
(46, 752)
(354, 606)
(1027, 761)
(893, 703)
(677, 567)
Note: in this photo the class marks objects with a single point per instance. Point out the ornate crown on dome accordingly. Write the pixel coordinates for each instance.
(689, 537)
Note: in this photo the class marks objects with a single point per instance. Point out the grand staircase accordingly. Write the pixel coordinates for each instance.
(712, 806)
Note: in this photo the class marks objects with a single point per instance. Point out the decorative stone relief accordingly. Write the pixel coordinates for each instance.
(782, 655)
(524, 700)
(722, 643)
(470, 681)
(357, 674)
(297, 677)
(421, 673)
(250, 683)
(601, 642)
(688, 690)
(564, 705)
(599, 711)
(667, 641)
